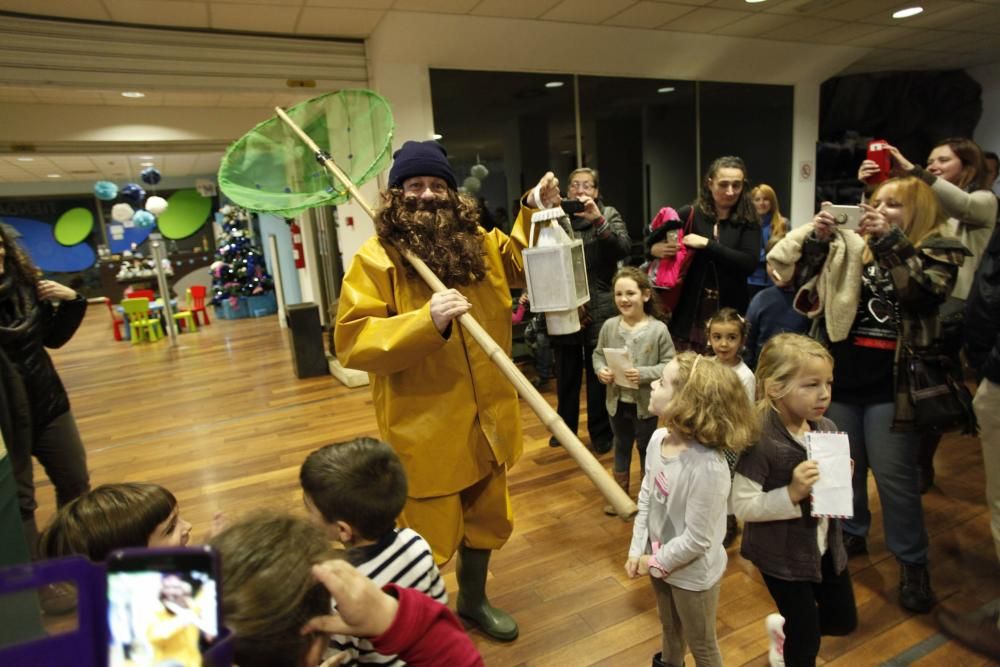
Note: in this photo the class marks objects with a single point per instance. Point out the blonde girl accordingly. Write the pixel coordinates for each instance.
(639, 330)
(772, 226)
(677, 535)
(802, 558)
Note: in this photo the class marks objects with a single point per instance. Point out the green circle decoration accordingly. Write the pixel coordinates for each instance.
(74, 226)
(186, 212)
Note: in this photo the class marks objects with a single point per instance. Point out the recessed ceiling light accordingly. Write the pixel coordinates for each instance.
(555, 84)
(145, 164)
(25, 159)
(666, 89)
(145, 157)
(54, 175)
(754, 2)
(133, 94)
(436, 136)
(907, 13)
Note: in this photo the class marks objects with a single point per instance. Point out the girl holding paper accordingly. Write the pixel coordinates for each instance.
(800, 556)
(647, 344)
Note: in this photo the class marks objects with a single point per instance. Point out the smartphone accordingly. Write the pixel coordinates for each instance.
(847, 216)
(164, 606)
(572, 206)
(672, 236)
(879, 154)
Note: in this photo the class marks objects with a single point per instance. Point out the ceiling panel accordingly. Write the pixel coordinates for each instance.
(754, 25)
(339, 22)
(351, 4)
(648, 14)
(436, 6)
(586, 11)
(802, 29)
(75, 9)
(180, 13)
(517, 9)
(254, 18)
(706, 19)
(845, 33)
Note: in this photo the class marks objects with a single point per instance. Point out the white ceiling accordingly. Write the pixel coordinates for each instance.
(949, 34)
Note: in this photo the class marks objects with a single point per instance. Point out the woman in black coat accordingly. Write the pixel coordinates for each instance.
(725, 238)
(35, 314)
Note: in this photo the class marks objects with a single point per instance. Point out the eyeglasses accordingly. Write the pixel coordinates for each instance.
(581, 185)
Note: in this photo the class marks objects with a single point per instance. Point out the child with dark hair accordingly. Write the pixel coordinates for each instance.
(770, 313)
(355, 490)
(115, 516)
(280, 575)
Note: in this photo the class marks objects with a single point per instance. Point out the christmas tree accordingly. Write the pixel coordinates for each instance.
(239, 268)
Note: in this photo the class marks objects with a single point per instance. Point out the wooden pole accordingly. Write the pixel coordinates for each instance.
(619, 499)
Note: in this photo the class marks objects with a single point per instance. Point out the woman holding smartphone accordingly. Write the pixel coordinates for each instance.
(956, 173)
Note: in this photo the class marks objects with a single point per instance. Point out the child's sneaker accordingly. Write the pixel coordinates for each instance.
(775, 626)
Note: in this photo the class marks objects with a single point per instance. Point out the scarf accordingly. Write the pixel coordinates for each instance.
(20, 311)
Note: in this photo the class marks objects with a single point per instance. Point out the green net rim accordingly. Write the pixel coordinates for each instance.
(235, 191)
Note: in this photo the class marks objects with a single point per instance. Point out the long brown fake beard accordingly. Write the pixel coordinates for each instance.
(443, 232)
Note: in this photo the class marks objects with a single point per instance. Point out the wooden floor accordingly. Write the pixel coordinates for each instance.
(222, 421)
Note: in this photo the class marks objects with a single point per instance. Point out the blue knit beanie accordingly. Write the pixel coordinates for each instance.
(421, 158)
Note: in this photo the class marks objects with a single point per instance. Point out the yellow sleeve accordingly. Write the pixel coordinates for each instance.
(374, 332)
(511, 246)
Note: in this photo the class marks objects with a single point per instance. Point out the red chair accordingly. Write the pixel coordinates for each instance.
(196, 303)
(115, 322)
(142, 294)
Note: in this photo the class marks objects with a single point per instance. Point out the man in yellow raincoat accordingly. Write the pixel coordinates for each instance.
(446, 409)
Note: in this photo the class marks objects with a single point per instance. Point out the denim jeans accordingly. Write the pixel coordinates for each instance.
(893, 459)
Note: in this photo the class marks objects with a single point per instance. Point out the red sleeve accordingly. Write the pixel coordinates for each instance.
(425, 632)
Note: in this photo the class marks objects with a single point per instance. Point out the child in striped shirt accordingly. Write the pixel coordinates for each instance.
(355, 490)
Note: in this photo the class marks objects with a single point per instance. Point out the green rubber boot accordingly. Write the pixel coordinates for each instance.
(472, 604)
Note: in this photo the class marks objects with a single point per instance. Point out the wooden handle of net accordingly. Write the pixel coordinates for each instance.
(619, 499)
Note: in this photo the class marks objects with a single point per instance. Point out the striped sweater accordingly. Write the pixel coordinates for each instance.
(401, 557)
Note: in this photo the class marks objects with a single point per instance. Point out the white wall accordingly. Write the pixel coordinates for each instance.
(988, 131)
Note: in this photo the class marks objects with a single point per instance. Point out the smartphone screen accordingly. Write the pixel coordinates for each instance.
(163, 607)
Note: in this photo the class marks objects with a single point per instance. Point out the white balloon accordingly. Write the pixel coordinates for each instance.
(472, 184)
(156, 205)
(479, 171)
(121, 212)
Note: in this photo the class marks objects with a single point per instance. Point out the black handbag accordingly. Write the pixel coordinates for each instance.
(941, 401)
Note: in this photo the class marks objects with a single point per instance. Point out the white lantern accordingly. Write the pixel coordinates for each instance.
(556, 273)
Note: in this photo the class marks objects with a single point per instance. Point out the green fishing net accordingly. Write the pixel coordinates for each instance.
(270, 169)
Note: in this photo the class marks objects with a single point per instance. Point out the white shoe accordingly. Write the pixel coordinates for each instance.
(775, 626)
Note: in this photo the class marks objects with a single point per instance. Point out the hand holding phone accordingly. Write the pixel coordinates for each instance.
(879, 154)
(844, 216)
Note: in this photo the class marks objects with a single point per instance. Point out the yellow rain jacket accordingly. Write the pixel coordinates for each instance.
(436, 398)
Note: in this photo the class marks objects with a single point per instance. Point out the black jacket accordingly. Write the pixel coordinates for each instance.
(25, 348)
(723, 265)
(982, 314)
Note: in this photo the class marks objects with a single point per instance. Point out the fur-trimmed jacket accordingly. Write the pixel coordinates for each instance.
(916, 281)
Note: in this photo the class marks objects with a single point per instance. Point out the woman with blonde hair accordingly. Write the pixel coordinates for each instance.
(772, 226)
(962, 186)
(908, 269)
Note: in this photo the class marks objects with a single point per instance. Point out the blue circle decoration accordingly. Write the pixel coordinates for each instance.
(105, 190)
(150, 176)
(38, 240)
(143, 218)
(133, 193)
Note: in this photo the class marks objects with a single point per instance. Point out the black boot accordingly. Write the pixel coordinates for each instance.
(472, 604)
(915, 593)
(658, 661)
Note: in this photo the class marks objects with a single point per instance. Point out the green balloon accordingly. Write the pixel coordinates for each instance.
(186, 212)
(74, 226)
